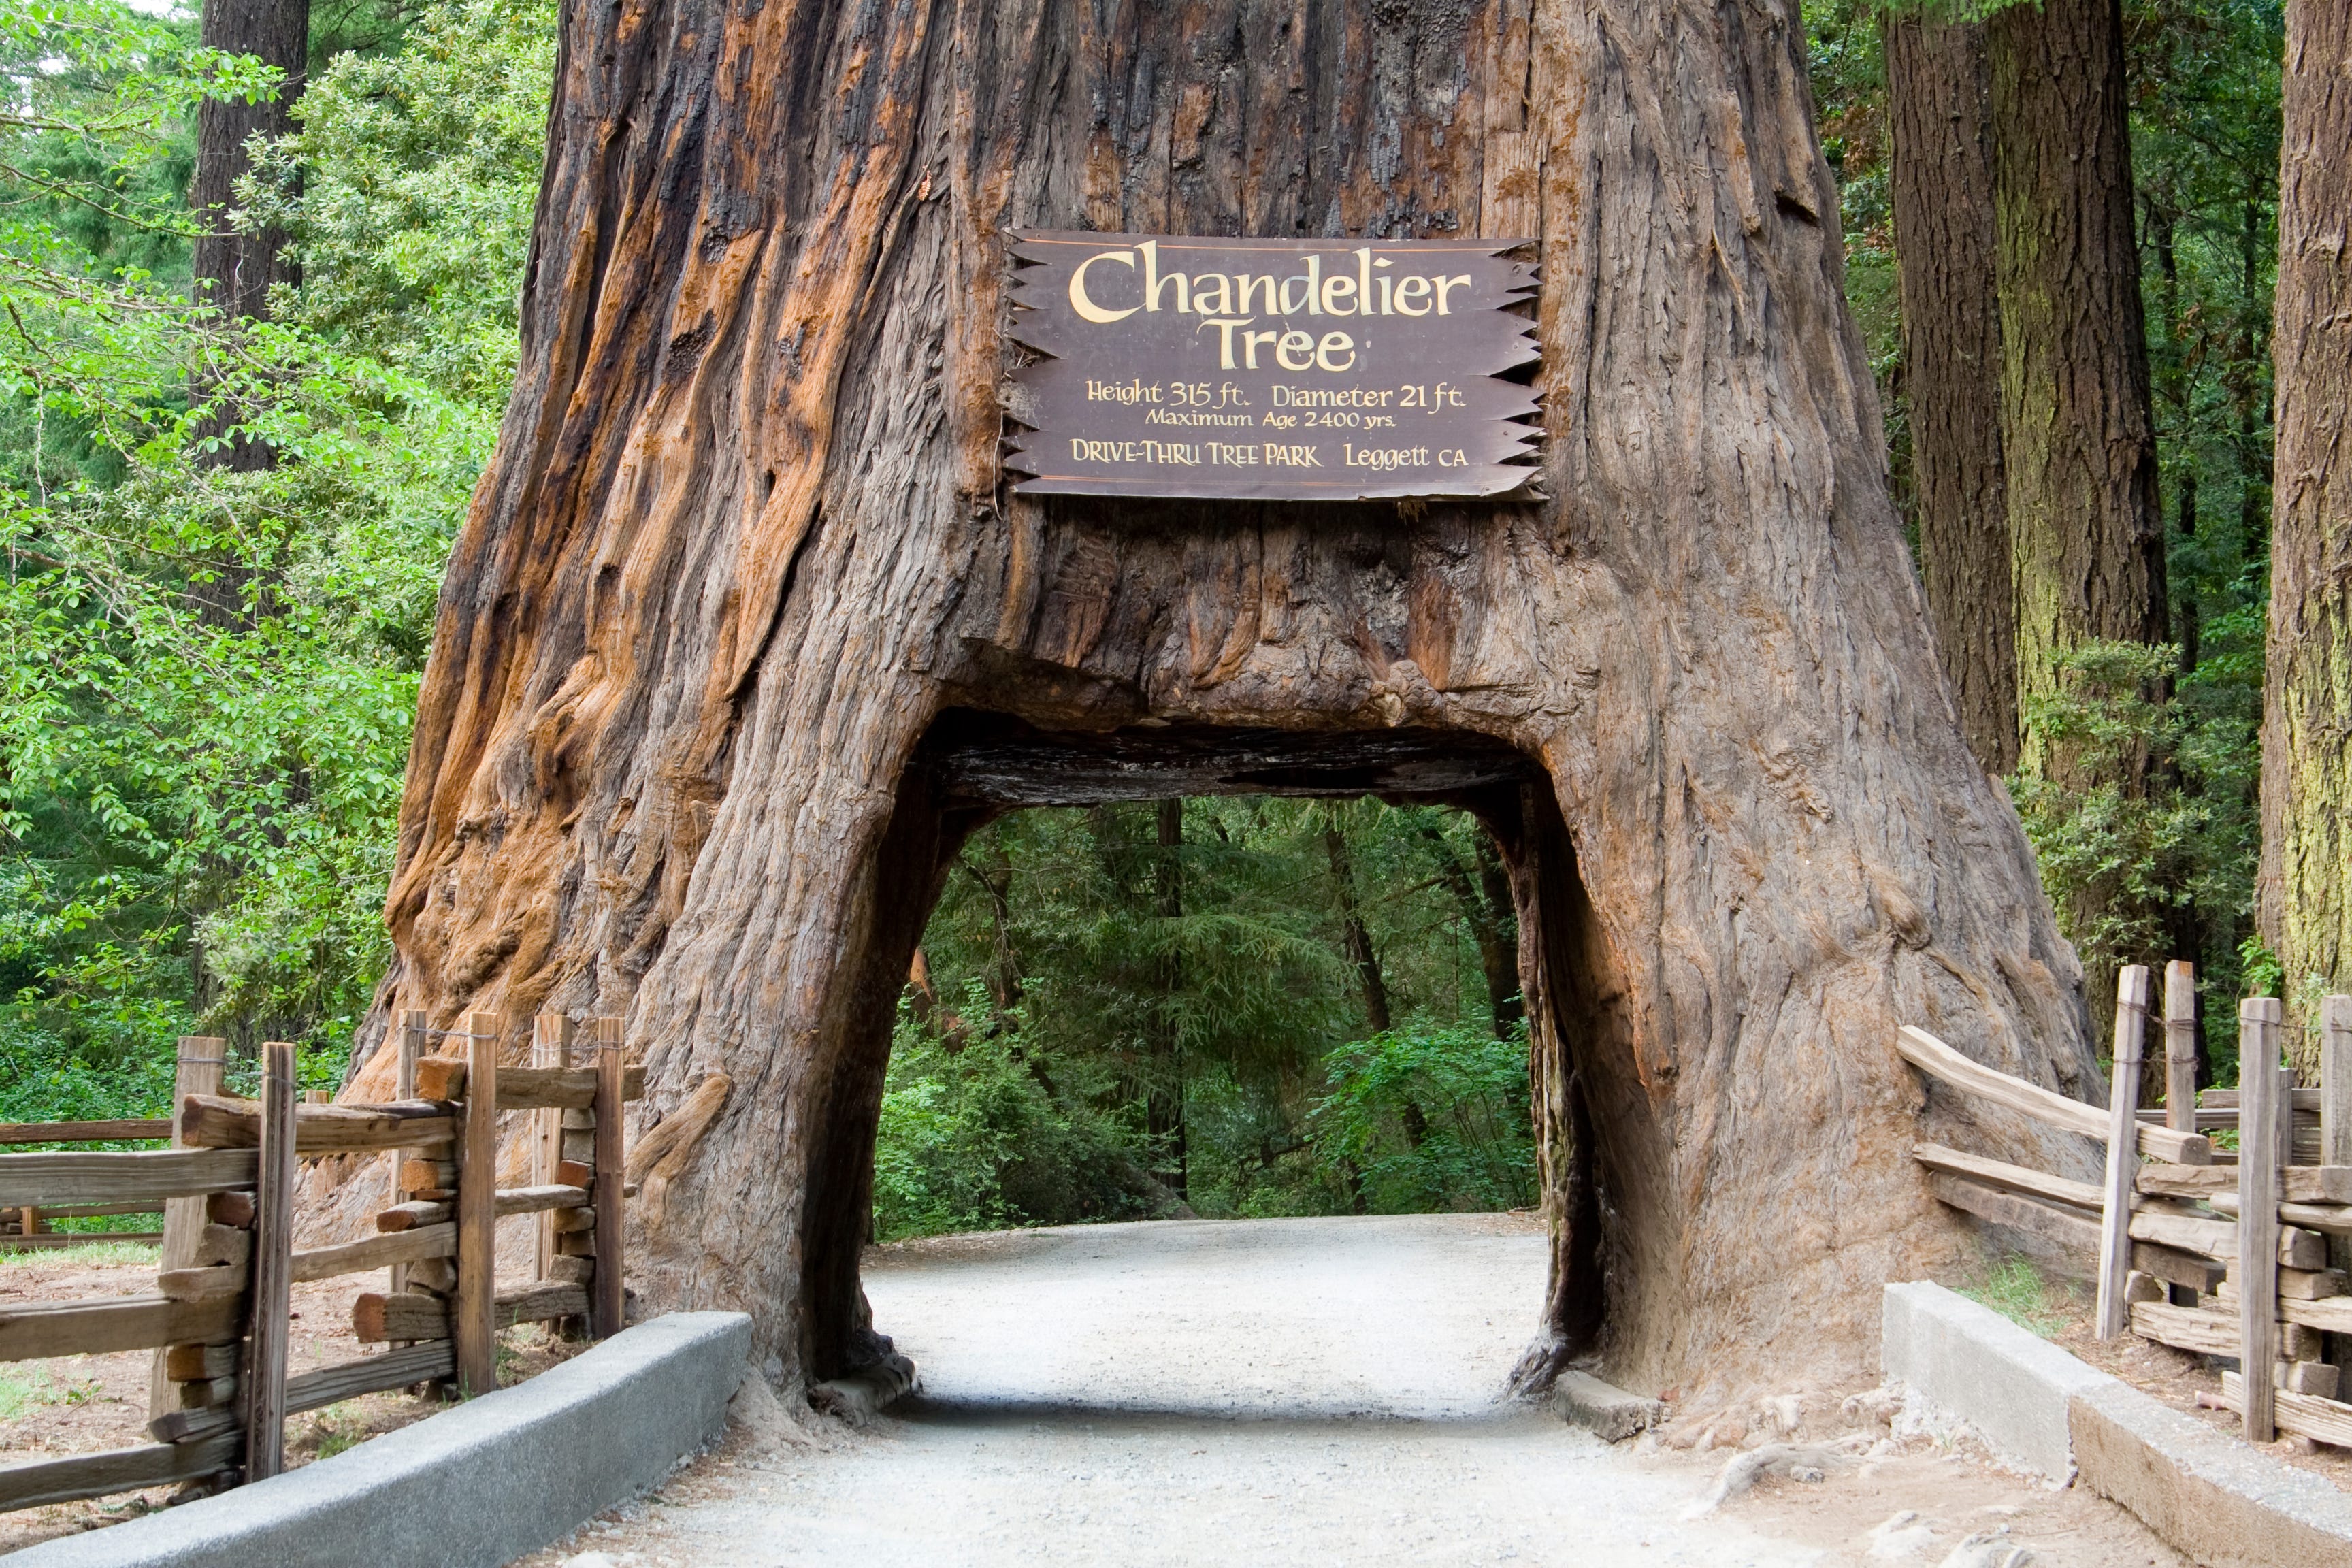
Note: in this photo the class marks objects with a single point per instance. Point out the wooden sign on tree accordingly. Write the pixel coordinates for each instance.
(1308, 370)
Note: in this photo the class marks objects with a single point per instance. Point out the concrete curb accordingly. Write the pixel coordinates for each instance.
(2011, 1385)
(2220, 1501)
(472, 1487)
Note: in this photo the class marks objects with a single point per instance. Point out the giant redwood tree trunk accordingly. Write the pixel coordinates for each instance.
(1938, 86)
(2306, 889)
(744, 633)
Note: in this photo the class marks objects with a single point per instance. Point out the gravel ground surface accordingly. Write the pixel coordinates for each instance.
(1281, 1392)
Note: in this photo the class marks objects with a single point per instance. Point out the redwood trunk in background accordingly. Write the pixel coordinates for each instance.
(744, 635)
(2078, 438)
(1937, 84)
(2306, 889)
(234, 271)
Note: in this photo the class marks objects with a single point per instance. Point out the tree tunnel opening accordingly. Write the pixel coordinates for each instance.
(1169, 971)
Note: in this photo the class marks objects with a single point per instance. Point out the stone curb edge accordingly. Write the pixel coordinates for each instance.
(474, 1487)
(2218, 1499)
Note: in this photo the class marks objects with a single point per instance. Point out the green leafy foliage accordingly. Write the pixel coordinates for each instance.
(1426, 1119)
(212, 675)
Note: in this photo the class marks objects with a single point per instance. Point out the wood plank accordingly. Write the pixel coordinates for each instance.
(48, 1481)
(2186, 1328)
(2213, 1238)
(2188, 1181)
(100, 1211)
(413, 1024)
(273, 1274)
(2111, 1314)
(2329, 1314)
(2317, 1184)
(2181, 1046)
(512, 1201)
(203, 1284)
(471, 1310)
(118, 1131)
(193, 1363)
(2258, 1198)
(230, 1208)
(84, 1176)
(2301, 1415)
(2306, 1101)
(374, 1252)
(2334, 1081)
(1932, 1055)
(2015, 1178)
(413, 1315)
(2184, 1269)
(37, 1331)
(218, 1121)
(328, 1385)
(604, 1306)
(50, 1238)
(526, 1089)
(2066, 1228)
(550, 1048)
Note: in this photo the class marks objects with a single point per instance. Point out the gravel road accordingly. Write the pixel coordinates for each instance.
(1318, 1390)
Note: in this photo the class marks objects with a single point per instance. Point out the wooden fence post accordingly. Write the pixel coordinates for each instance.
(2336, 1080)
(273, 1248)
(604, 1302)
(410, 1038)
(551, 1047)
(473, 1311)
(2123, 1149)
(202, 1058)
(2259, 1098)
(2181, 1046)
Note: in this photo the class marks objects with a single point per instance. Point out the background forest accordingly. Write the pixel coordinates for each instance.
(227, 516)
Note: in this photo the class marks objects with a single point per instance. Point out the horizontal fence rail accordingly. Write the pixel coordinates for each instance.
(2236, 1253)
(217, 1318)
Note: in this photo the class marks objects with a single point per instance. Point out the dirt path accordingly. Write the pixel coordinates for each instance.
(1274, 1392)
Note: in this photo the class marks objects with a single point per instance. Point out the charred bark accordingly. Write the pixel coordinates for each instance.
(2305, 891)
(743, 585)
(1939, 84)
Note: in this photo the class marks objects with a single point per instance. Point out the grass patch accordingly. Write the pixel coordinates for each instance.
(91, 1253)
(339, 1428)
(22, 1393)
(2015, 1289)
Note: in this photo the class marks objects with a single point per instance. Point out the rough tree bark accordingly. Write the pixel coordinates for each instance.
(744, 634)
(2306, 889)
(1485, 907)
(1938, 83)
(1358, 940)
(234, 270)
(2078, 440)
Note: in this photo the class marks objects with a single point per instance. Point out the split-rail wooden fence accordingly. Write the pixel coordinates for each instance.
(2231, 1254)
(218, 1316)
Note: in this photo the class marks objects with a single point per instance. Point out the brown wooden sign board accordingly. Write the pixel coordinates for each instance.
(1323, 370)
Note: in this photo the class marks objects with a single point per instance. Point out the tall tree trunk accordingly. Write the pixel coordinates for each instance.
(1504, 1003)
(744, 636)
(2304, 896)
(1489, 919)
(1938, 87)
(1163, 1112)
(1358, 940)
(234, 270)
(2078, 439)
